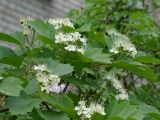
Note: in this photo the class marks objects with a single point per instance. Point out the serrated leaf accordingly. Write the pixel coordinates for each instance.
(56, 67)
(43, 27)
(124, 110)
(96, 55)
(11, 86)
(32, 86)
(22, 104)
(61, 69)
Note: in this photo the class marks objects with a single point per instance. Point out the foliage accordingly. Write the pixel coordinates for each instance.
(101, 65)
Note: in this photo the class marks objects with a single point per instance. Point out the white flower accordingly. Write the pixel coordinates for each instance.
(69, 37)
(41, 77)
(70, 48)
(54, 78)
(1, 77)
(118, 86)
(87, 112)
(83, 40)
(122, 96)
(81, 50)
(41, 68)
(97, 108)
(58, 23)
(115, 51)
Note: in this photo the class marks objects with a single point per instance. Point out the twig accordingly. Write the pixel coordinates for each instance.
(67, 84)
(4, 110)
(46, 105)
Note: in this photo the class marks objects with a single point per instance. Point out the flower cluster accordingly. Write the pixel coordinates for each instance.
(48, 81)
(117, 85)
(59, 23)
(121, 41)
(71, 40)
(87, 111)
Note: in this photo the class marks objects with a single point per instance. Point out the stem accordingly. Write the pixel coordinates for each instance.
(46, 105)
(64, 90)
(32, 38)
(4, 110)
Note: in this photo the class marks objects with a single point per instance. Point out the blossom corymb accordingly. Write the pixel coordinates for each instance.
(73, 41)
(48, 82)
(121, 41)
(70, 39)
(87, 111)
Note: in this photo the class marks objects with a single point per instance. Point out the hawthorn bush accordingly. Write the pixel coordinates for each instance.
(99, 63)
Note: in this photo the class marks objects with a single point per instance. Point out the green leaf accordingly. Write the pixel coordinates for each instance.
(11, 86)
(147, 59)
(53, 115)
(82, 84)
(96, 55)
(42, 52)
(8, 38)
(85, 28)
(61, 102)
(122, 110)
(97, 39)
(126, 111)
(7, 56)
(97, 116)
(23, 104)
(143, 110)
(45, 40)
(6, 52)
(137, 68)
(20, 37)
(56, 67)
(32, 86)
(61, 69)
(43, 27)
(13, 61)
